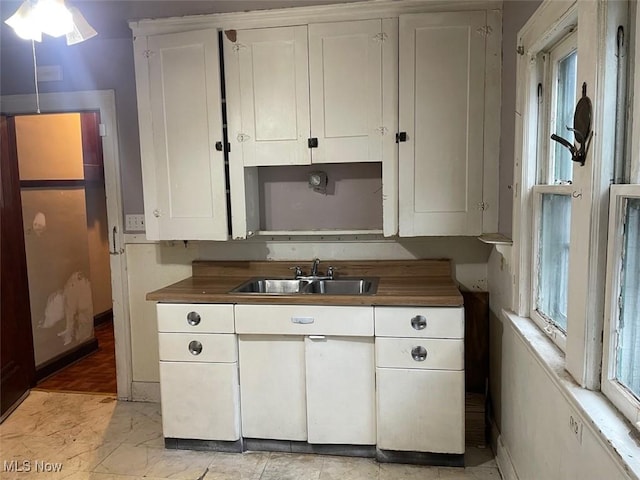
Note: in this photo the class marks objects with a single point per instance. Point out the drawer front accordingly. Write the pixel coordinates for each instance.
(420, 353)
(201, 347)
(431, 322)
(195, 317)
(304, 320)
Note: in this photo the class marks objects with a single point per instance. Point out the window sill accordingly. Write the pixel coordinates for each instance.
(616, 435)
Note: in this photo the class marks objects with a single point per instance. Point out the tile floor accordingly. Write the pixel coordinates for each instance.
(94, 436)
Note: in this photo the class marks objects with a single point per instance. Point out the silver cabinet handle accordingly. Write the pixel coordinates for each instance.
(302, 320)
(419, 322)
(419, 354)
(317, 337)
(193, 318)
(195, 347)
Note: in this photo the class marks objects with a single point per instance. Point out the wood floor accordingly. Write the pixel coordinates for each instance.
(96, 373)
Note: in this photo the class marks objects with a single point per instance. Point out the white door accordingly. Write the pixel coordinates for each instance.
(341, 390)
(183, 174)
(272, 385)
(420, 410)
(267, 78)
(211, 390)
(442, 91)
(345, 76)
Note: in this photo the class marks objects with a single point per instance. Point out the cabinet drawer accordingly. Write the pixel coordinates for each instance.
(201, 347)
(304, 320)
(195, 317)
(421, 353)
(433, 322)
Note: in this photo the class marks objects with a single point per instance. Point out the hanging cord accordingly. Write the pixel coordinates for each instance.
(35, 75)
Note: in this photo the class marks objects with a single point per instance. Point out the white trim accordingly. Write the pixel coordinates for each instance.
(504, 462)
(372, 9)
(104, 101)
(622, 399)
(145, 392)
(599, 416)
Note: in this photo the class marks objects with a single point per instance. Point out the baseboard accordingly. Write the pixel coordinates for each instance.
(145, 392)
(103, 317)
(503, 460)
(58, 363)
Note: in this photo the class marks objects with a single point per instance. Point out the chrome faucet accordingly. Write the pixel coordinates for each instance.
(314, 268)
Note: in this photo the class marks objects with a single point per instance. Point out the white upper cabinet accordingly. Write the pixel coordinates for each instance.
(301, 95)
(442, 60)
(345, 68)
(179, 105)
(267, 83)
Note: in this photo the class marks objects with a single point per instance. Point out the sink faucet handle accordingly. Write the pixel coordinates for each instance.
(297, 269)
(331, 270)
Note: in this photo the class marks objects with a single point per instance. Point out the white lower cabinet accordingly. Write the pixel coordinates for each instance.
(420, 379)
(340, 390)
(199, 384)
(200, 400)
(420, 410)
(307, 373)
(272, 385)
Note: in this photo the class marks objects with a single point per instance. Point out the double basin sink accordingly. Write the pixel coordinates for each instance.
(302, 286)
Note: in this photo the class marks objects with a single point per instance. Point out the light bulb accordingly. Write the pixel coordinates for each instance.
(53, 17)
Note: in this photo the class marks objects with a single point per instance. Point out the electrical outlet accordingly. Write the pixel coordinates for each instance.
(134, 223)
(575, 425)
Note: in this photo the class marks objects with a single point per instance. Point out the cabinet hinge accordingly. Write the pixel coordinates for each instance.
(382, 130)
(485, 30)
(237, 46)
(483, 206)
(147, 53)
(243, 137)
(520, 50)
(102, 130)
(381, 37)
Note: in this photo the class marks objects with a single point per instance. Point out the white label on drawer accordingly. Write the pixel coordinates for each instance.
(302, 320)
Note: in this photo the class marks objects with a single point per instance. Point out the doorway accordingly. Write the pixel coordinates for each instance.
(102, 101)
(67, 250)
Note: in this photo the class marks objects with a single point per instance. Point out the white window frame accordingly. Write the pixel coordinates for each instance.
(596, 23)
(624, 400)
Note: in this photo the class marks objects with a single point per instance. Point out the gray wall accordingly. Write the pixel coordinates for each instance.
(514, 15)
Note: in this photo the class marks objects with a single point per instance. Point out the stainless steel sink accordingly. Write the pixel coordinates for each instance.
(321, 286)
(272, 286)
(345, 286)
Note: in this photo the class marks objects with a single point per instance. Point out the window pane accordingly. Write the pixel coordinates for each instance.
(628, 361)
(564, 108)
(553, 254)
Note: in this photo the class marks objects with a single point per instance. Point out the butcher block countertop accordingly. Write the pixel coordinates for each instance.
(401, 282)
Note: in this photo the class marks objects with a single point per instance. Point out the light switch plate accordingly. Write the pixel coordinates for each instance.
(134, 223)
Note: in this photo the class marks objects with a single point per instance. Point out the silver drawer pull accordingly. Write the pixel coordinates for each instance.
(302, 320)
(195, 347)
(193, 318)
(419, 354)
(419, 322)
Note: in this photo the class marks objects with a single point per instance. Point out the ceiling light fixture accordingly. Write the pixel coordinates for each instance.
(52, 17)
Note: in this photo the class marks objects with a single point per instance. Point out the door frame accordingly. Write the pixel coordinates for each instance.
(104, 102)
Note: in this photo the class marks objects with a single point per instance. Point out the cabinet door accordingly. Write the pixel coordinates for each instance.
(420, 410)
(340, 390)
(183, 174)
(209, 389)
(442, 92)
(267, 78)
(345, 72)
(273, 388)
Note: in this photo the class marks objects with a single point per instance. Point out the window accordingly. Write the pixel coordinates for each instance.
(552, 193)
(621, 372)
